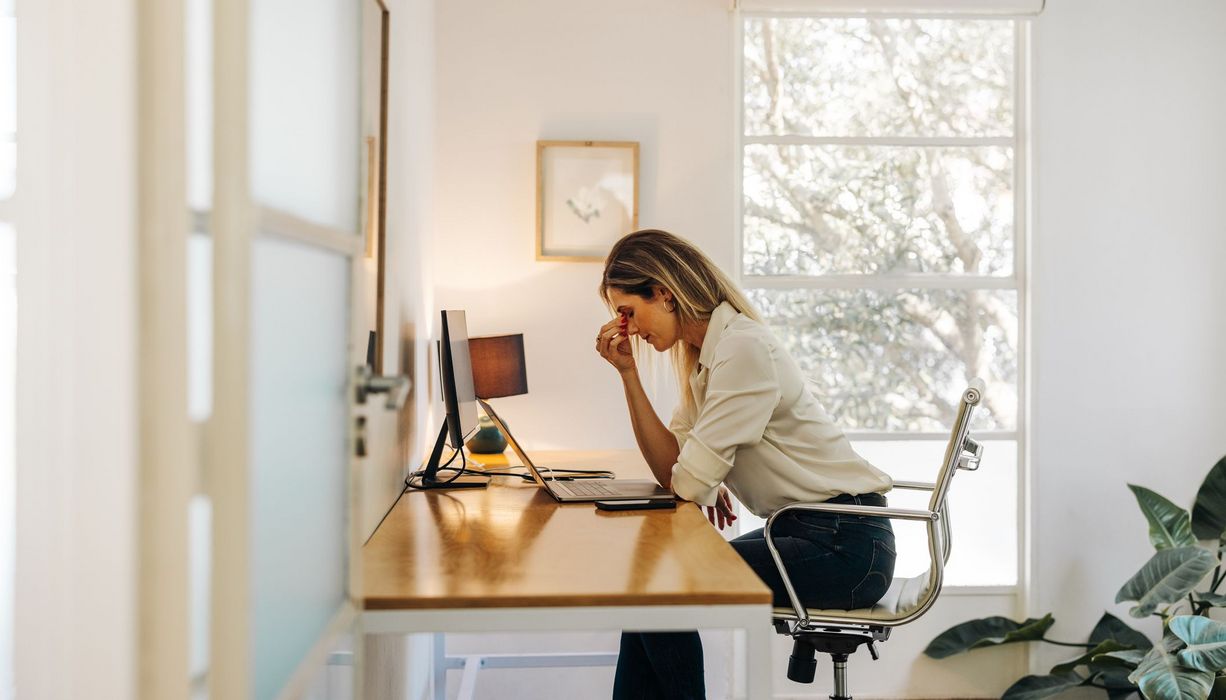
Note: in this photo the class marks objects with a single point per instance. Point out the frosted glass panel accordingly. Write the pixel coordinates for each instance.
(299, 334)
(305, 82)
(983, 510)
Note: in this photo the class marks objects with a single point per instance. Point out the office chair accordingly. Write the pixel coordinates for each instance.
(840, 633)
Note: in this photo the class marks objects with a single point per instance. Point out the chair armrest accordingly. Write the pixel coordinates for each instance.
(849, 509)
(915, 485)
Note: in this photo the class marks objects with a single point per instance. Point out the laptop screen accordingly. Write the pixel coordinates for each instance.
(523, 456)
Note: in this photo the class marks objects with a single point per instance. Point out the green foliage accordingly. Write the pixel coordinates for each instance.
(1160, 675)
(1103, 648)
(1209, 511)
(1111, 627)
(1190, 661)
(1169, 525)
(1168, 576)
(1035, 687)
(1205, 640)
(989, 631)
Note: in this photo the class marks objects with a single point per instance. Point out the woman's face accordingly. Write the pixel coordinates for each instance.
(648, 318)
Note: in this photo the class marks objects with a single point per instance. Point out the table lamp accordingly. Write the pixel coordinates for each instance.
(499, 369)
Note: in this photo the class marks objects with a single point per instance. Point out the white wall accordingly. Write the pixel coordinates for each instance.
(510, 73)
(1129, 315)
(397, 441)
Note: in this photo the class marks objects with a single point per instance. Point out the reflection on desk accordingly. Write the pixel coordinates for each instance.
(513, 546)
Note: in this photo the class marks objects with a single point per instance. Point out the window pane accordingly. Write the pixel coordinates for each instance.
(879, 77)
(983, 510)
(812, 210)
(982, 507)
(899, 360)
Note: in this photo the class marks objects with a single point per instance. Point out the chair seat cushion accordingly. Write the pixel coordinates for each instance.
(903, 597)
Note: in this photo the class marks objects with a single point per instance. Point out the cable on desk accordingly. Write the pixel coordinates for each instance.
(546, 473)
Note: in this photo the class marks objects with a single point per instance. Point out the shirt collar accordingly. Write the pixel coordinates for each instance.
(720, 318)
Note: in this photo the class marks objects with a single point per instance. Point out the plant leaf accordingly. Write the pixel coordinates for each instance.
(1107, 646)
(1116, 684)
(986, 632)
(1036, 687)
(1217, 600)
(1111, 627)
(1168, 576)
(1161, 677)
(1219, 689)
(1130, 657)
(1206, 640)
(1169, 525)
(1209, 511)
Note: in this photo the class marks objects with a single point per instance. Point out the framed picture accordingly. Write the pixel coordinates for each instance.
(375, 52)
(587, 197)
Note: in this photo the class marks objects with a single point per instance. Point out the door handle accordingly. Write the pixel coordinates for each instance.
(395, 386)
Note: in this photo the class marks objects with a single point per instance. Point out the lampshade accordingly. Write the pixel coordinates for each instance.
(499, 368)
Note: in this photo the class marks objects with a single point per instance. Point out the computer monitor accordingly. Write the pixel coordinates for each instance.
(456, 384)
(456, 373)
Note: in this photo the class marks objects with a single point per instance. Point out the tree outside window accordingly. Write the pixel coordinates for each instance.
(879, 238)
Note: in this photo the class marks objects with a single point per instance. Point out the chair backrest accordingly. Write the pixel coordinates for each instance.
(956, 452)
(961, 453)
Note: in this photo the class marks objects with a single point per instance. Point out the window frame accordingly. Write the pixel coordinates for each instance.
(1018, 281)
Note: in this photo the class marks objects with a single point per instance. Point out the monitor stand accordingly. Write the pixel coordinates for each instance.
(429, 478)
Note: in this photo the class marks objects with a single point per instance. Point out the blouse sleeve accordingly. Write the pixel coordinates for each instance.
(681, 424)
(742, 393)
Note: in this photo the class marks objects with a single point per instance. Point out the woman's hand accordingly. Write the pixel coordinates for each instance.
(614, 345)
(722, 510)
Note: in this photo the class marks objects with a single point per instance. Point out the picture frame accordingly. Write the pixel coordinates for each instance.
(376, 51)
(587, 197)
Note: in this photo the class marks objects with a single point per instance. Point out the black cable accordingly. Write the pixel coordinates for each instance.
(419, 474)
(546, 473)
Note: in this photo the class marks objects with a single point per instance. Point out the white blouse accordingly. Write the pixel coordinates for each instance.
(756, 427)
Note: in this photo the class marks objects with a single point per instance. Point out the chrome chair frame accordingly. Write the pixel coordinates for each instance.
(839, 633)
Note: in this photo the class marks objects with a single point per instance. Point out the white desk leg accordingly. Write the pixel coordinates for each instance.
(758, 660)
(439, 665)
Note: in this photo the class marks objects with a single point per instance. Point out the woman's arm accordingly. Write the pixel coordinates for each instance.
(656, 441)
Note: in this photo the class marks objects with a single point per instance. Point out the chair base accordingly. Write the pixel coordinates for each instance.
(838, 642)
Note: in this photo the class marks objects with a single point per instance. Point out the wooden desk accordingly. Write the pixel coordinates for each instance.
(510, 558)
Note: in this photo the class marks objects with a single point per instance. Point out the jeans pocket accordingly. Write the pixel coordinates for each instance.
(820, 523)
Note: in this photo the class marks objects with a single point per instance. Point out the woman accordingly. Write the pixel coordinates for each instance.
(746, 424)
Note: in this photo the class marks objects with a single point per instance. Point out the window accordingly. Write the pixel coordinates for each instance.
(881, 237)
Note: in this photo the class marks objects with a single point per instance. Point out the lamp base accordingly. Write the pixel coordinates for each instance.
(487, 440)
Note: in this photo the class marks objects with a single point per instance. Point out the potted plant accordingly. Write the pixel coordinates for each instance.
(1188, 663)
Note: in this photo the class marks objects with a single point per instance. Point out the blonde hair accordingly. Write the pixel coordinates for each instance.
(644, 260)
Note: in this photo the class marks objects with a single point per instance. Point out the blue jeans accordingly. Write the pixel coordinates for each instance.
(833, 561)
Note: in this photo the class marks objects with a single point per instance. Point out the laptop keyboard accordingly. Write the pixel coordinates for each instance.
(584, 487)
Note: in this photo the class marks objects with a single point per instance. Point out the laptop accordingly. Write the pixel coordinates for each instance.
(581, 490)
